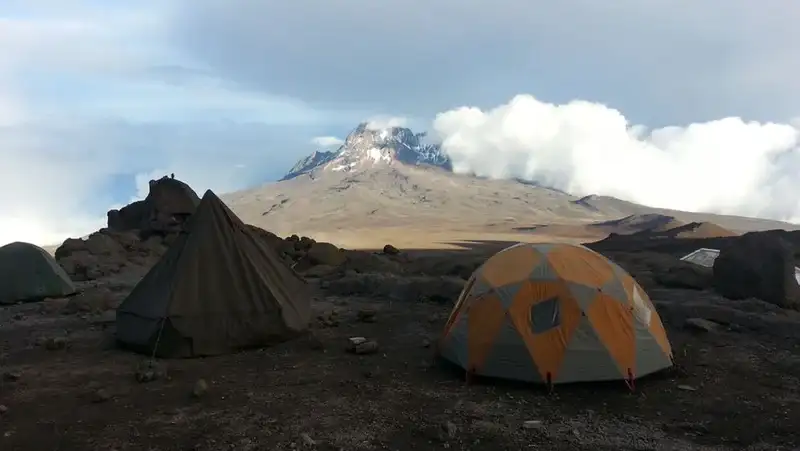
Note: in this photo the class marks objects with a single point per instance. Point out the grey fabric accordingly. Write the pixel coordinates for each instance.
(543, 272)
(509, 358)
(507, 293)
(614, 286)
(544, 248)
(649, 356)
(456, 346)
(584, 295)
(29, 273)
(480, 287)
(586, 358)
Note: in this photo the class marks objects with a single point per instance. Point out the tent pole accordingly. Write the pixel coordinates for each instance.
(158, 340)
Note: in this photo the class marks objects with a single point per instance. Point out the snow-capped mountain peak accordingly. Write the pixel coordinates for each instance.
(367, 147)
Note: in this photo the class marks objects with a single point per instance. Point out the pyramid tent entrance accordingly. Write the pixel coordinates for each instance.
(217, 289)
(29, 273)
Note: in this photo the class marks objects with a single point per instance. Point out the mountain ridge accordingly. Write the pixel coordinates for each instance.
(391, 180)
(366, 147)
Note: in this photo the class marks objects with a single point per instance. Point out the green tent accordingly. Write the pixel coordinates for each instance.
(218, 288)
(28, 273)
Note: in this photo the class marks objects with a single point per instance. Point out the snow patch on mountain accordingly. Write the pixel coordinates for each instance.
(368, 146)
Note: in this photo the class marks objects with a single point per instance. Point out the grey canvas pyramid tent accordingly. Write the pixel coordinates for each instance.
(217, 289)
(29, 273)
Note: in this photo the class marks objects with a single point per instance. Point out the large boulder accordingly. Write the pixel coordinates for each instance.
(758, 265)
(165, 209)
(325, 254)
(106, 253)
(136, 237)
(684, 275)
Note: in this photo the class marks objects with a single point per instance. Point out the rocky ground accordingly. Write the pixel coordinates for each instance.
(66, 386)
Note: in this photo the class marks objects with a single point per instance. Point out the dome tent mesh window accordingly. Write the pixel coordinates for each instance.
(545, 315)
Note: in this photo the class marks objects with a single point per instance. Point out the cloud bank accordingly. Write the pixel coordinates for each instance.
(97, 97)
(728, 166)
(729, 57)
(378, 123)
(94, 102)
(327, 141)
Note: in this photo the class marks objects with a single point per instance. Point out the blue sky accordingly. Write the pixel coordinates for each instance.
(95, 96)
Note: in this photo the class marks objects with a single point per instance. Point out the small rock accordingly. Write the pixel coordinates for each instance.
(701, 324)
(314, 342)
(307, 440)
(18, 316)
(3, 409)
(390, 250)
(324, 253)
(55, 343)
(11, 376)
(200, 388)
(145, 376)
(426, 343)
(368, 347)
(355, 341)
(366, 315)
(686, 388)
(532, 424)
(449, 429)
(100, 396)
(149, 372)
(328, 319)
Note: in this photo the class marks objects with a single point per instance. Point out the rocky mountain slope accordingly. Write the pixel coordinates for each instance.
(391, 178)
(367, 147)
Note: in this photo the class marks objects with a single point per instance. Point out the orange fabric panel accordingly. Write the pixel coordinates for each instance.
(546, 349)
(510, 266)
(656, 326)
(613, 323)
(486, 315)
(580, 265)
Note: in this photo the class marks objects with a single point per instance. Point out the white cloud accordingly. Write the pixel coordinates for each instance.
(91, 97)
(91, 92)
(43, 190)
(729, 56)
(327, 141)
(727, 166)
(384, 122)
(58, 181)
(213, 175)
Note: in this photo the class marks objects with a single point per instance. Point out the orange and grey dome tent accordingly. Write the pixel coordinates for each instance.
(554, 313)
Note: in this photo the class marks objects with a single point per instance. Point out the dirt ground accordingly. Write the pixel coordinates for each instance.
(430, 239)
(733, 388)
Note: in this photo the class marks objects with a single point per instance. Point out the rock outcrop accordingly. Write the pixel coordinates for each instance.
(136, 237)
(140, 233)
(167, 206)
(758, 265)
